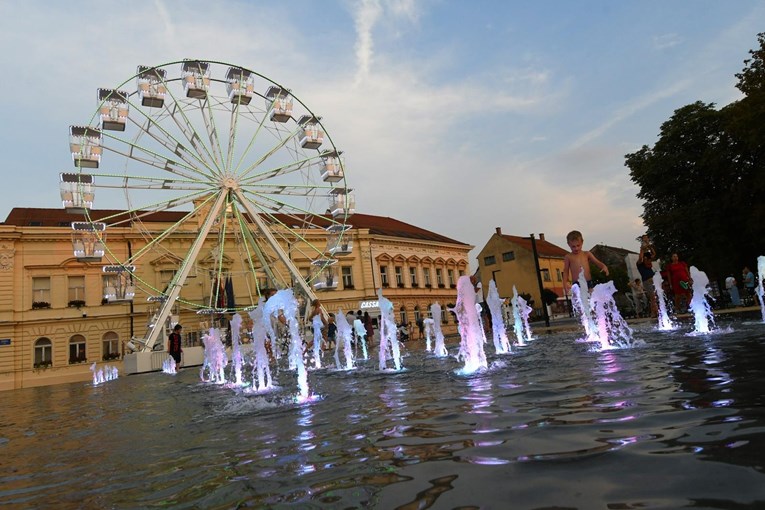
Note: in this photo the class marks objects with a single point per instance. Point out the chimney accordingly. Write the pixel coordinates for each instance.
(541, 236)
(499, 231)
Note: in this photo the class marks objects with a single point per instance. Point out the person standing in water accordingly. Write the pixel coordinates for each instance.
(174, 345)
(645, 268)
(579, 260)
(679, 282)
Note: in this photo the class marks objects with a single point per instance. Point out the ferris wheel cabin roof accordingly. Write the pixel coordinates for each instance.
(85, 131)
(237, 73)
(111, 94)
(377, 225)
(195, 66)
(151, 73)
(308, 119)
(274, 92)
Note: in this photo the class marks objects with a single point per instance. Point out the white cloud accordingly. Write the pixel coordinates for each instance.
(365, 17)
(452, 145)
(664, 41)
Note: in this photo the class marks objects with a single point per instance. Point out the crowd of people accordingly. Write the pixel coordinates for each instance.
(675, 276)
(678, 285)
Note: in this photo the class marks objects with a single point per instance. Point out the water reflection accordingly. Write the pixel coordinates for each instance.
(551, 414)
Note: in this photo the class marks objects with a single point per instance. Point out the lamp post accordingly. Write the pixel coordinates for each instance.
(539, 280)
(494, 277)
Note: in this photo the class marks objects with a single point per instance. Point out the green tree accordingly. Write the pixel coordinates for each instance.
(549, 296)
(746, 122)
(617, 274)
(703, 181)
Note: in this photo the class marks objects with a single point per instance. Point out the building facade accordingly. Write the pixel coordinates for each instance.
(509, 261)
(58, 315)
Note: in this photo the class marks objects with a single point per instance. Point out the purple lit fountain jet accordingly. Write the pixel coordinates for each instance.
(471, 336)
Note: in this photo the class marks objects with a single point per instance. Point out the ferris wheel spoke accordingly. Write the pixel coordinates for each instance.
(152, 127)
(276, 206)
(148, 157)
(243, 254)
(233, 122)
(212, 134)
(251, 143)
(270, 152)
(266, 265)
(251, 244)
(295, 166)
(186, 127)
(273, 204)
(296, 190)
(302, 220)
(252, 250)
(268, 235)
(168, 205)
(138, 213)
(165, 183)
(156, 241)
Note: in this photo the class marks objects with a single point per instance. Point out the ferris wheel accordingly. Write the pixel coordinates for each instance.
(221, 174)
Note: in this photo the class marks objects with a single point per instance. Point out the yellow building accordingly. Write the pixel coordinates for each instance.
(509, 261)
(61, 310)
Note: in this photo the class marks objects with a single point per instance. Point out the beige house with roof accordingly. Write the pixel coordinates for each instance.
(509, 261)
(57, 315)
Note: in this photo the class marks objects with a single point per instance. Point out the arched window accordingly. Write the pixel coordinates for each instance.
(77, 349)
(43, 353)
(402, 315)
(111, 346)
(417, 315)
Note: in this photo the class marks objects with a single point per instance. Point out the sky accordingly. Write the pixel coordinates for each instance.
(455, 116)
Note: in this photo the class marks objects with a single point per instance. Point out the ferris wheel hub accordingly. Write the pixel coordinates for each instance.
(229, 182)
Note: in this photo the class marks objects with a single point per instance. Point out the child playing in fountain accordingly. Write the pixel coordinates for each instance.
(331, 332)
(321, 321)
(579, 260)
(175, 345)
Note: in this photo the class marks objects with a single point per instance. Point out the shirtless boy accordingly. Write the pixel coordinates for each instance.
(579, 260)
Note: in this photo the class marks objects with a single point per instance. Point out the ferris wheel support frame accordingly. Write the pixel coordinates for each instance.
(177, 283)
(173, 138)
(277, 248)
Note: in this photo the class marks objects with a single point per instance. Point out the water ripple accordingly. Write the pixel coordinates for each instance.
(605, 429)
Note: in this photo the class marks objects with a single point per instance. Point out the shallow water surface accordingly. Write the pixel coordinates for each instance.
(678, 423)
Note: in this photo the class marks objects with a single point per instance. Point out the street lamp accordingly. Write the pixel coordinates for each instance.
(494, 277)
(539, 280)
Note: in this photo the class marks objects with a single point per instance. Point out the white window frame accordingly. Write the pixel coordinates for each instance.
(43, 354)
(413, 276)
(41, 289)
(384, 276)
(110, 345)
(347, 274)
(78, 344)
(76, 285)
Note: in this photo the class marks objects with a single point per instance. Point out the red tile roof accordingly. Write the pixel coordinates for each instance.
(377, 225)
(544, 248)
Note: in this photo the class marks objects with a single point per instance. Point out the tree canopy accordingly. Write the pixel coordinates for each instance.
(703, 182)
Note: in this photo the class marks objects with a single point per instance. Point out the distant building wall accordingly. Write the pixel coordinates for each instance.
(84, 329)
